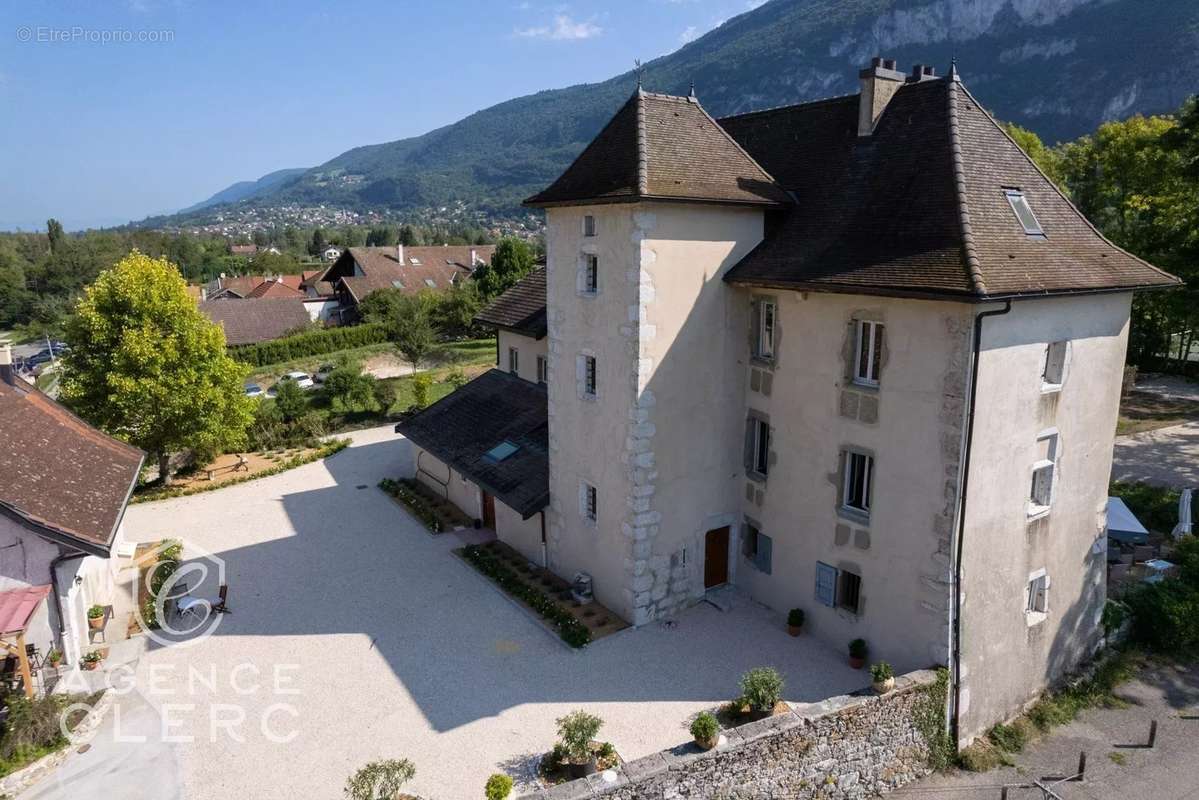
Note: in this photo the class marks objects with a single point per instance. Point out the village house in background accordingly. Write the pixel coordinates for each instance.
(857, 356)
(63, 490)
(361, 270)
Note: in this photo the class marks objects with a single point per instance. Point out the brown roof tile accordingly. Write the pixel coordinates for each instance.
(521, 308)
(662, 147)
(918, 207)
(495, 407)
(59, 473)
(259, 319)
(433, 267)
(275, 288)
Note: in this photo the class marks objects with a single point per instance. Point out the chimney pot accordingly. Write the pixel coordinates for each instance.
(400, 253)
(889, 63)
(877, 61)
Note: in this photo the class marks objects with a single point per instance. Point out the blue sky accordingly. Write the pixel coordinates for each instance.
(100, 132)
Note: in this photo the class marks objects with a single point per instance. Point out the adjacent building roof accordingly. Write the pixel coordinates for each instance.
(274, 288)
(520, 309)
(18, 605)
(919, 207)
(363, 270)
(60, 476)
(259, 319)
(661, 147)
(463, 427)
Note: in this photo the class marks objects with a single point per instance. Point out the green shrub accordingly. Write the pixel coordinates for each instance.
(576, 730)
(313, 343)
(980, 757)
(406, 491)
(422, 382)
(290, 400)
(498, 787)
(380, 780)
(705, 727)
(858, 648)
(762, 688)
(1011, 738)
(881, 671)
(1165, 615)
(456, 378)
(795, 617)
(1154, 506)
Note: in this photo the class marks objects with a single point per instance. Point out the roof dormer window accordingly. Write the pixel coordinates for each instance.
(1023, 212)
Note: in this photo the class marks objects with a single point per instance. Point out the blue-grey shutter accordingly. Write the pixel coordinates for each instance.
(764, 552)
(748, 456)
(826, 584)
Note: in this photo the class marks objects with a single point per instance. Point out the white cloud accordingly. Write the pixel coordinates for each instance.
(563, 28)
(689, 34)
(752, 4)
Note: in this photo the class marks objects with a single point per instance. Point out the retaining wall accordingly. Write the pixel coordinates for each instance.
(852, 746)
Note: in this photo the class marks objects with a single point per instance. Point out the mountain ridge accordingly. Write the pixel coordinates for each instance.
(1045, 64)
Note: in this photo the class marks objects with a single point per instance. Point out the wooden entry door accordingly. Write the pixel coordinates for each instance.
(716, 557)
(488, 511)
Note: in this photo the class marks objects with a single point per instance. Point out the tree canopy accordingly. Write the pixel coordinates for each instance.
(148, 367)
(512, 260)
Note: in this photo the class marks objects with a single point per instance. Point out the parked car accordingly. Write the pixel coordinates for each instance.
(323, 372)
(254, 390)
(301, 379)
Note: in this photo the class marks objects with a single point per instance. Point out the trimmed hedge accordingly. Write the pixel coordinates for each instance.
(573, 632)
(314, 343)
(326, 450)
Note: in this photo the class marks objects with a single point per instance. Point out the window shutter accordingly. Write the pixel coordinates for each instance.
(765, 545)
(748, 456)
(826, 584)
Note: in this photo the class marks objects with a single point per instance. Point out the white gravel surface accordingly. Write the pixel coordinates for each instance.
(394, 648)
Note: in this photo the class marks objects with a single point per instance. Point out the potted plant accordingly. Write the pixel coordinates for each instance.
(91, 661)
(762, 689)
(795, 621)
(706, 730)
(883, 677)
(54, 657)
(95, 617)
(576, 730)
(857, 653)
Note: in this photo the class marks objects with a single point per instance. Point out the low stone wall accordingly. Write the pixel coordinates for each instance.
(852, 746)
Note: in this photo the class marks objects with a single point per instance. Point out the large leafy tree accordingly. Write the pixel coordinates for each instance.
(513, 259)
(148, 367)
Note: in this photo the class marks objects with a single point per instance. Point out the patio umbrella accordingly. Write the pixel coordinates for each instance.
(1184, 515)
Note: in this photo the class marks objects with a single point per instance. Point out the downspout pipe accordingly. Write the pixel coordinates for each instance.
(62, 617)
(961, 531)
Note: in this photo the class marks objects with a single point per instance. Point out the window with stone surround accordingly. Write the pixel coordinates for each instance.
(1053, 372)
(588, 387)
(765, 312)
(589, 275)
(757, 547)
(513, 360)
(857, 478)
(868, 352)
(757, 447)
(588, 503)
(1036, 597)
(1044, 474)
(589, 225)
(543, 370)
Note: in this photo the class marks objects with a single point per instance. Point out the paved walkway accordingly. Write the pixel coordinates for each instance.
(394, 648)
(1164, 457)
(1118, 766)
(1172, 386)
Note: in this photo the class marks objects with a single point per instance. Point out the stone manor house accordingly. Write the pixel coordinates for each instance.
(857, 356)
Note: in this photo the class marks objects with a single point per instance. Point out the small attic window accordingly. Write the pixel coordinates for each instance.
(414, 261)
(1023, 212)
(501, 451)
(398, 284)
(432, 284)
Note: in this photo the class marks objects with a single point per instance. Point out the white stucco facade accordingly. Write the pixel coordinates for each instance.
(528, 350)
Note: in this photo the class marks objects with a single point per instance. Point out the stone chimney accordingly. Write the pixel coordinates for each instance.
(400, 252)
(474, 258)
(922, 72)
(6, 371)
(879, 82)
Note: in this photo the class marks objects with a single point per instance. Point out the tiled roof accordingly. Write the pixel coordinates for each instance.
(18, 605)
(59, 474)
(258, 319)
(918, 208)
(423, 268)
(662, 147)
(495, 407)
(275, 288)
(521, 308)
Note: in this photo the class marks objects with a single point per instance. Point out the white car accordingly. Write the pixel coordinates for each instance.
(254, 390)
(301, 379)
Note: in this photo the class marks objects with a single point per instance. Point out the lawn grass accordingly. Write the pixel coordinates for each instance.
(1145, 411)
(14, 336)
(467, 353)
(473, 351)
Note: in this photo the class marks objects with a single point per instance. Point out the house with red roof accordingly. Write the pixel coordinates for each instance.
(64, 486)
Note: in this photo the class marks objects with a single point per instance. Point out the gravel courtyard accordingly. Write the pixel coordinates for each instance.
(386, 646)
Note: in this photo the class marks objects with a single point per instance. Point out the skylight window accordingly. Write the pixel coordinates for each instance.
(432, 284)
(502, 451)
(398, 284)
(1023, 212)
(414, 261)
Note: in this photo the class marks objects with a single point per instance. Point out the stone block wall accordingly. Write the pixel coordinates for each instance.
(852, 746)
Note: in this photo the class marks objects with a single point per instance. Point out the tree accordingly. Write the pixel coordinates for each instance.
(422, 384)
(407, 236)
(511, 261)
(350, 389)
(148, 367)
(409, 319)
(454, 316)
(290, 400)
(55, 234)
(319, 242)
(380, 780)
(268, 263)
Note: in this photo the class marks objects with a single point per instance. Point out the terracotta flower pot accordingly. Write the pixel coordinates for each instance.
(882, 687)
(95, 623)
(794, 629)
(91, 665)
(857, 663)
(588, 767)
(708, 744)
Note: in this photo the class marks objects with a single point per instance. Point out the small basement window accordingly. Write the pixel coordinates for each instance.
(502, 451)
(1023, 212)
